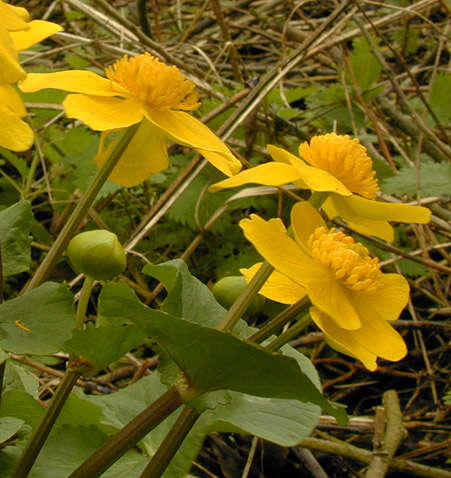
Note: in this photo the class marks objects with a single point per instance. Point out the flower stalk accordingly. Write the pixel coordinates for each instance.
(245, 299)
(62, 393)
(82, 208)
(171, 443)
(128, 436)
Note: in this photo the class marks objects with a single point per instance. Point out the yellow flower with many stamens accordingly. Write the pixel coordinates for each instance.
(352, 299)
(338, 165)
(17, 33)
(143, 90)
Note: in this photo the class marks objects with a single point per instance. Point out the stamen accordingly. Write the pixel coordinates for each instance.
(349, 261)
(149, 80)
(344, 158)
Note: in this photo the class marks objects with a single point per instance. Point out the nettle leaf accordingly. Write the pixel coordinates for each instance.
(196, 205)
(440, 96)
(15, 239)
(213, 360)
(435, 180)
(19, 378)
(46, 320)
(70, 446)
(365, 66)
(104, 345)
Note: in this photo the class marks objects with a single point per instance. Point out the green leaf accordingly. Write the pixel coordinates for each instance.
(10, 454)
(9, 426)
(213, 360)
(47, 314)
(435, 180)
(70, 446)
(19, 378)
(21, 405)
(104, 345)
(15, 240)
(440, 96)
(365, 66)
(187, 296)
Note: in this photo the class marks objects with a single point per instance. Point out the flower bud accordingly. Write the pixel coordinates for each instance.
(227, 290)
(97, 254)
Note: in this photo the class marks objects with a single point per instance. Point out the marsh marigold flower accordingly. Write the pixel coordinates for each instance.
(143, 90)
(341, 166)
(17, 33)
(352, 299)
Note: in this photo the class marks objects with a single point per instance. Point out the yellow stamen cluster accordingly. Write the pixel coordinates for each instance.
(149, 80)
(349, 261)
(344, 158)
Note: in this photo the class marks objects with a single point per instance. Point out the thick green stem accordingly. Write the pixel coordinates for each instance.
(62, 393)
(246, 297)
(82, 208)
(274, 325)
(128, 436)
(40, 435)
(169, 446)
(289, 334)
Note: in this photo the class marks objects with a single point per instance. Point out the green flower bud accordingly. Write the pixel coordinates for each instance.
(97, 254)
(227, 290)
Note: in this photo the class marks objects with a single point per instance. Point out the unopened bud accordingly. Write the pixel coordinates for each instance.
(97, 254)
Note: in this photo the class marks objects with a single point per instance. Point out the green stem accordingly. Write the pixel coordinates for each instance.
(280, 320)
(48, 420)
(169, 446)
(289, 334)
(62, 393)
(128, 436)
(83, 302)
(318, 198)
(30, 175)
(246, 297)
(69, 229)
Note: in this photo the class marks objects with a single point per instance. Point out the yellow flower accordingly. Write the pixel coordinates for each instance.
(138, 89)
(352, 300)
(16, 33)
(341, 166)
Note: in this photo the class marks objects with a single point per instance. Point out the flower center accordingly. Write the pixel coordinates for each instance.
(349, 261)
(344, 158)
(145, 77)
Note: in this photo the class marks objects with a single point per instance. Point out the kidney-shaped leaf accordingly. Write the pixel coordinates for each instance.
(38, 322)
(213, 360)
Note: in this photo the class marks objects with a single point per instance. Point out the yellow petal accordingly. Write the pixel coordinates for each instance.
(334, 207)
(38, 31)
(278, 287)
(10, 69)
(13, 18)
(388, 301)
(375, 336)
(334, 299)
(75, 81)
(11, 99)
(189, 131)
(365, 213)
(103, 113)
(343, 341)
(270, 240)
(145, 155)
(304, 220)
(269, 174)
(15, 134)
(316, 179)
